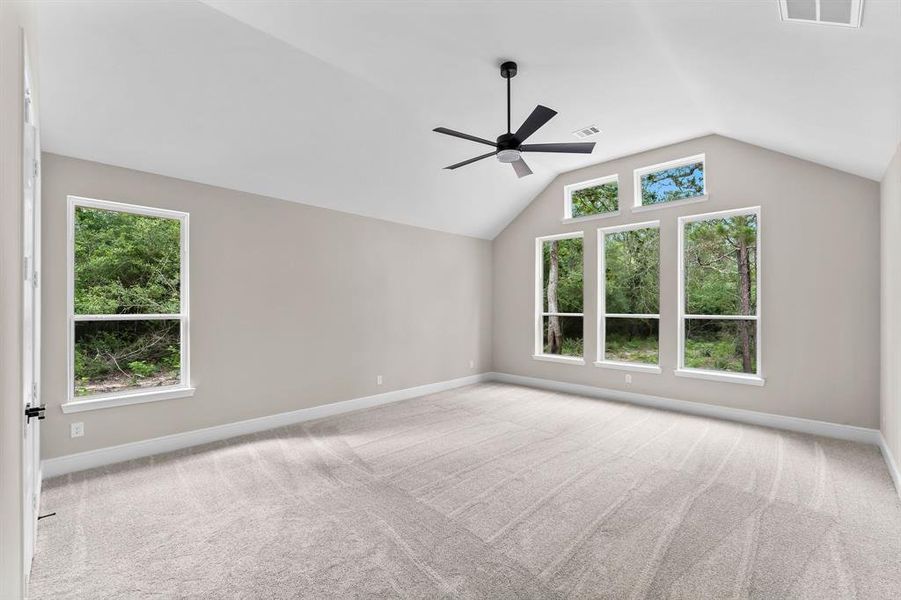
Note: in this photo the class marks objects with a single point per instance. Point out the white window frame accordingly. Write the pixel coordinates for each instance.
(709, 374)
(538, 350)
(97, 401)
(581, 185)
(679, 162)
(600, 361)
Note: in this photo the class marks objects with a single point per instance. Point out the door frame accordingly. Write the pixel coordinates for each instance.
(31, 314)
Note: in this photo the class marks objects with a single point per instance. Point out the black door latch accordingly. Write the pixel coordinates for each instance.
(32, 412)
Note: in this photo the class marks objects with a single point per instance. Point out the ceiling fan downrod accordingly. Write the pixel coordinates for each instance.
(508, 72)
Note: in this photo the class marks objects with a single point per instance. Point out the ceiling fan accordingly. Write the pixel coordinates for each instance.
(509, 146)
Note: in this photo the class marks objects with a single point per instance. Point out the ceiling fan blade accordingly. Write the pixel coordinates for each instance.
(575, 147)
(539, 116)
(464, 136)
(521, 168)
(471, 160)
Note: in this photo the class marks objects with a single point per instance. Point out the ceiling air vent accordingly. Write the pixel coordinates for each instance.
(845, 13)
(584, 132)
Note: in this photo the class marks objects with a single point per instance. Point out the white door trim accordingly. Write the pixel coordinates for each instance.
(31, 312)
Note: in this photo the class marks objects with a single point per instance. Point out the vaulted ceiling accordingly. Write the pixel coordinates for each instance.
(332, 103)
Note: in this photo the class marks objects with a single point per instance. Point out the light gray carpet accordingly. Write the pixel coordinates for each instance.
(488, 491)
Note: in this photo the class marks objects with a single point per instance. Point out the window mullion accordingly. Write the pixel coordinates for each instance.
(130, 317)
(723, 317)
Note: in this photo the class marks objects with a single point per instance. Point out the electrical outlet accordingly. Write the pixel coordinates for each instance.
(76, 429)
(628, 378)
(472, 364)
(378, 380)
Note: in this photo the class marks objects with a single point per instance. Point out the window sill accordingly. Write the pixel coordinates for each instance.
(109, 401)
(672, 204)
(607, 215)
(626, 366)
(567, 360)
(720, 376)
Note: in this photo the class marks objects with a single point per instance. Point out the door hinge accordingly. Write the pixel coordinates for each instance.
(34, 391)
(34, 279)
(35, 168)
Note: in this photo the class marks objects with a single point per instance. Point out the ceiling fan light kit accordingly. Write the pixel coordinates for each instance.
(509, 146)
(509, 156)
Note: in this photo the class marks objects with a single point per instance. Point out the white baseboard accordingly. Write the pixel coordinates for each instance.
(54, 467)
(826, 429)
(71, 463)
(890, 462)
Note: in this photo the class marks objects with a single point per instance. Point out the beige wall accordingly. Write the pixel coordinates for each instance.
(820, 283)
(891, 306)
(291, 306)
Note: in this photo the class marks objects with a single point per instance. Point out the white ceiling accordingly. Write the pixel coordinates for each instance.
(332, 103)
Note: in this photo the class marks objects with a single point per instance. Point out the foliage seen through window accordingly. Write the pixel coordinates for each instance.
(562, 293)
(125, 264)
(676, 183)
(720, 264)
(595, 200)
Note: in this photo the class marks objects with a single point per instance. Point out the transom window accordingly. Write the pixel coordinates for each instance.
(678, 180)
(719, 287)
(128, 300)
(629, 297)
(559, 298)
(597, 197)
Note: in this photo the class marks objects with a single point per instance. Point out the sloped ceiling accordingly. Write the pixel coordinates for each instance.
(332, 103)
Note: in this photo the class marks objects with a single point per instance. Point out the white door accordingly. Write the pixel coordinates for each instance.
(31, 324)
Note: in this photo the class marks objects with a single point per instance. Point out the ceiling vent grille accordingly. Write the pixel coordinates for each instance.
(845, 13)
(584, 132)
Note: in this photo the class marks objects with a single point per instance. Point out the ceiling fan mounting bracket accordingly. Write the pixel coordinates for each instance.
(508, 69)
(507, 141)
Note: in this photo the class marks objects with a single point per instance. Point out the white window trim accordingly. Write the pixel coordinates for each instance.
(726, 376)
(581, 185)
(745, 378)
(539, 314)
(607, 215)
(602, 314)
(628, 366)
(637, 206)
(673, 204)
(98, 401)
(567, 360)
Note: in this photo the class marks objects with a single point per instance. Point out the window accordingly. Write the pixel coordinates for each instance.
(719, 291)
(128, 304)
(680, 180)
(595, 198)
(846, 13)
(629, 297)
(558, 298)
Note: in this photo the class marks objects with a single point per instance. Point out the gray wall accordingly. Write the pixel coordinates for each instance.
(820, 283)
(891, 306)
(291, 306)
